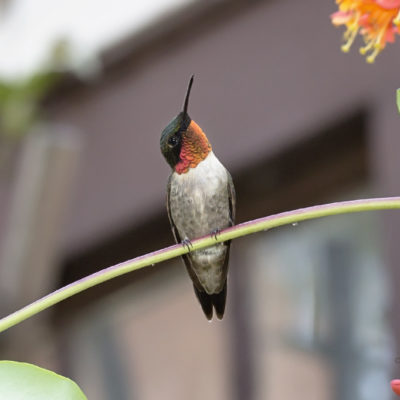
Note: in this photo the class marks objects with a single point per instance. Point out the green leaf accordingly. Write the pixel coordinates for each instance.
(38, 85)
(6, 91)
(22, 381)
(398, 100)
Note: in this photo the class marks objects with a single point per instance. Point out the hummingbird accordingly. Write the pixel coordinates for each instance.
(200, 201)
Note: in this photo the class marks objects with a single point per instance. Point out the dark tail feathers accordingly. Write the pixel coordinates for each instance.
(207, 302)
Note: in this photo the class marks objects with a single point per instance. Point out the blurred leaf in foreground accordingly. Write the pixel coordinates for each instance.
(21, 381)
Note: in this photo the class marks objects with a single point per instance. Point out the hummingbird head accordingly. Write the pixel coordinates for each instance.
(183, 143)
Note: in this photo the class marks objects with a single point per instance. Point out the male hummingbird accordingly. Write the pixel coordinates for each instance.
(200, 201)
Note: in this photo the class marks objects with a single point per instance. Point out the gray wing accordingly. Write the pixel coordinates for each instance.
(232, 215)
(232, 199)
(185, 257)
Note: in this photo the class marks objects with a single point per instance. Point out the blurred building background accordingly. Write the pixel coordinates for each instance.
(312, 308)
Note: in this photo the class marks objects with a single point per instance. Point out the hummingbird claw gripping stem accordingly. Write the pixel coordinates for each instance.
(187, 243)
(215, 233)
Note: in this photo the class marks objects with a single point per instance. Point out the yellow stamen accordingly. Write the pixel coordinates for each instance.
(372, 56)
(379, 38)
(367, 47)
(353, 33)
(396, 20)
(347, 34)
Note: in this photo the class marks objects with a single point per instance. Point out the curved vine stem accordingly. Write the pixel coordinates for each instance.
(234, 232)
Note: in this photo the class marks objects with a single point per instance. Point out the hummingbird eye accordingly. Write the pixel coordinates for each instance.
(173, 141)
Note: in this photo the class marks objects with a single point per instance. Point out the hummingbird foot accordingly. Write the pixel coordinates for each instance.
(215, 233)
(187, 243)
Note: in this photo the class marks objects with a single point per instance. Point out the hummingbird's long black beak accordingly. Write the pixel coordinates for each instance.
(186, 104)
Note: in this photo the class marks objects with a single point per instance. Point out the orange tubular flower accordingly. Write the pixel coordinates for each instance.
(376, 20)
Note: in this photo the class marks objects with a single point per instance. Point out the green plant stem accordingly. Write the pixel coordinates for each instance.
(398, 100)
(234, 232)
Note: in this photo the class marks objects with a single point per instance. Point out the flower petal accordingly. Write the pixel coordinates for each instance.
(340, 17)
(388, 4)
(395, 384)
